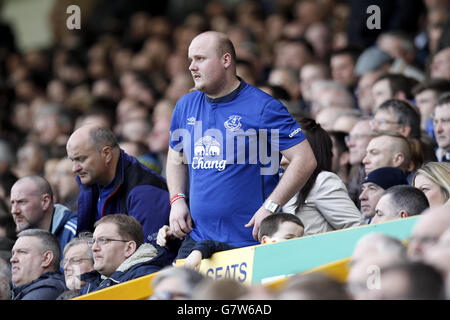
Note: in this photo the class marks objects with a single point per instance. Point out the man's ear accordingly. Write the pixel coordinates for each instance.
(107, 152)
(399, 158)
(46, 200)
(130, 248)
(47, 259)
(227, 60)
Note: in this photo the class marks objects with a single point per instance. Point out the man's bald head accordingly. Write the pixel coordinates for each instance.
(95, 136)
(94, 153)
(221, 41)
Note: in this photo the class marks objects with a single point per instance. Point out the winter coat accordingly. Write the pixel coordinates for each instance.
(47, 287)
(146, 260)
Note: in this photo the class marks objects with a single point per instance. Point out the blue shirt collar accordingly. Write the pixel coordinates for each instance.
(229, 96)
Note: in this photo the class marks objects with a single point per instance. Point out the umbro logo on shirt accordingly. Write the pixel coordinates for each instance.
(191, 121)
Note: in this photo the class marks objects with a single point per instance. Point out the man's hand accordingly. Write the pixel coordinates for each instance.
(180, 219)
(193, 260)
(256, 221)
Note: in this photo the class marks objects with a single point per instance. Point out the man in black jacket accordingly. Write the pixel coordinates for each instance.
(35, 266)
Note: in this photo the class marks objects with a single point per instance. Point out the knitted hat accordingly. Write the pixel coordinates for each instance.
(386, 177)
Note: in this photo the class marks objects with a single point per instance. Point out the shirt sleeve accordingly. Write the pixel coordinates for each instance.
(176, 139)
(209, 247)
(276, 118)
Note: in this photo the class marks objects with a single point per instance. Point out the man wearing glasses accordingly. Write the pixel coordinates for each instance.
(120, 253)
(441, 121)
(402, 117)
(77, 260)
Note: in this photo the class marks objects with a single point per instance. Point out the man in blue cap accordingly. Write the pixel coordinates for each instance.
(374, 185)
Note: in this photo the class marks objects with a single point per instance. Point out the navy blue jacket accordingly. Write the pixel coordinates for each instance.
(131, 269)
(137, 191)
(47, 287)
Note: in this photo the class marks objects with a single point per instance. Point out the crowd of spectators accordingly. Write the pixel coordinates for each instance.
(369, 100)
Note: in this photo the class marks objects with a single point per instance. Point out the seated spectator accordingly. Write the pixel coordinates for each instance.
(35, 266)
(31, 159)
(120, 253)
(426, 95)
(400, 202)
(343, 62)
(32, 207)
(392, 86)
(410, 281)
(387, 150)
(440, 66)
(400, 116)
(323, 204)
(375, 184)
(366, 102)
(340, 163)
(314, 286)
(427, 231)
(433, 178)
(66, 186)
(328, 117)
(357, 141)
(173, 283)
(441, 123)
(288, 79)
(310, 73)
(280, 227)
(347, 120)
(77, 259)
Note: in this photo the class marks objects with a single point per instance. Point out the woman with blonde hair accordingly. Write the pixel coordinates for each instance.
(433, 178)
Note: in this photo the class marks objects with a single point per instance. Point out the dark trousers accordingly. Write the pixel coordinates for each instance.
(185, 248)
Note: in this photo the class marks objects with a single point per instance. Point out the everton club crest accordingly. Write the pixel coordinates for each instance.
(233, 123)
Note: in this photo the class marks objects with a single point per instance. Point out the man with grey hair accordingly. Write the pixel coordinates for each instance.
(399, 202)
(35, 266)
(77, 259)
(113, 182)
(32, 206)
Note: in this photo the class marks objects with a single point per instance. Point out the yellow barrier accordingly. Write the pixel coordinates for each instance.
(337, 270)
(238, 263)
(136, 289)
(141, 289)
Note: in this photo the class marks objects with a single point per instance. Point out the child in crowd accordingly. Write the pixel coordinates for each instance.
(274, 228)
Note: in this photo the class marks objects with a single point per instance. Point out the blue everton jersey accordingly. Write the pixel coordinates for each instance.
(232, 147)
